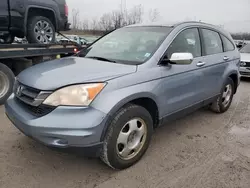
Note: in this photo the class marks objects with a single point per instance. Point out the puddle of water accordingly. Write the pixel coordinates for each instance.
(245, 152)
(240, 135)
(240, 131)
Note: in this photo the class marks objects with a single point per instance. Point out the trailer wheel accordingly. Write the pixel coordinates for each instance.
(40, 30)
(7, 79)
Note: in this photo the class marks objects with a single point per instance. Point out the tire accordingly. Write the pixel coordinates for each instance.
(219, 105)
(35, 35)
(112, 148)
(7, 80)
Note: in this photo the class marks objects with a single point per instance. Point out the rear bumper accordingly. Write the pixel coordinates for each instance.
(65, 127)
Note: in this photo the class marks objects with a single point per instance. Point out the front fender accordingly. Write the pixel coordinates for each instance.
(118, 103)
(115, 95)
(111, 99)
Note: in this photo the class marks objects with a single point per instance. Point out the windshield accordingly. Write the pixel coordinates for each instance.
(131, 45)
(245, 49)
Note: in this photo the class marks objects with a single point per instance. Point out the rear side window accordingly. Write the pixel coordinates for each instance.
(212, 42)
(228, 46)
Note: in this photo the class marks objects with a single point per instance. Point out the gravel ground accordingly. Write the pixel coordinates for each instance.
(202, 150)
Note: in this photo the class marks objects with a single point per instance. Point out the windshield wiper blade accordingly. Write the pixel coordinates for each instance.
(101, 58)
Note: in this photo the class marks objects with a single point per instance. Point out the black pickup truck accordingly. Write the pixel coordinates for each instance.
(37, 20)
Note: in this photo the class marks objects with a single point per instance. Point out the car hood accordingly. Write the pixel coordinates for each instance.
(72, 70)
(245, 57)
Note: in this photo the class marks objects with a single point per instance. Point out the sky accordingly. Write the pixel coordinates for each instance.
(234, 15)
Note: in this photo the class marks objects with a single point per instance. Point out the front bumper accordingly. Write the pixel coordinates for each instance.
(245, 72)
(65, 127)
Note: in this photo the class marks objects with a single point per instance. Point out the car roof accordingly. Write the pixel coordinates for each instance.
(181, 24)
(171, 24)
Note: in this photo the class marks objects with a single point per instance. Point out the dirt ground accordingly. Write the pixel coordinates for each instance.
(202, 150)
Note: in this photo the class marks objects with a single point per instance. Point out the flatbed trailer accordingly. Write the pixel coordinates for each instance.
(14, 58)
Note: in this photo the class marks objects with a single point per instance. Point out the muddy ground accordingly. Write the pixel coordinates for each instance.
(202, 150)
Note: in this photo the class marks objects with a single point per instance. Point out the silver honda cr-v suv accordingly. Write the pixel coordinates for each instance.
(108, 100)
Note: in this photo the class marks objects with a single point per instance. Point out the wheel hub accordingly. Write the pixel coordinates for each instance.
(131, 138)
(43, 31)
(226, 95)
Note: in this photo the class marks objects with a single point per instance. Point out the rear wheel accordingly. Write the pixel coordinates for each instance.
(223, 102)
(128, 137)
(7, 79)
(40, 30)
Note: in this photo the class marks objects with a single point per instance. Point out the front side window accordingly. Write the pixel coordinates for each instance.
(187, 41)
(128, 45)
(212, 42)
(228, 45)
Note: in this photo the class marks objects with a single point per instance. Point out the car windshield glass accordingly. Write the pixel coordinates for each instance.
(245, 49)
(128, 45)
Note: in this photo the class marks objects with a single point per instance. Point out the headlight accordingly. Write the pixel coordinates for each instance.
(75, 95)
(242, 64)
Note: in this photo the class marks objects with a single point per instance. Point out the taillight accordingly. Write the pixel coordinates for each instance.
(66, 10)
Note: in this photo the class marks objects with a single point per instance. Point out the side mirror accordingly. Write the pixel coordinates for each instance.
(182, 58)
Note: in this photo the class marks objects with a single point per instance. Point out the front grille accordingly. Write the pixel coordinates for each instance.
(31, 100)
(37, 111)
(245, 73)
(246, 64)
(26, 94)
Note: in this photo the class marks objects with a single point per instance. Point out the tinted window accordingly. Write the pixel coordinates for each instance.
(187, 41)
(212, 42)
(228, 46)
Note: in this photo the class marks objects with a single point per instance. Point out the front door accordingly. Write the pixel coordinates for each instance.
(183, 84)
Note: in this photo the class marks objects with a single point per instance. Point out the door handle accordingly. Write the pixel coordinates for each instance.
(225, 58)
(200, 64)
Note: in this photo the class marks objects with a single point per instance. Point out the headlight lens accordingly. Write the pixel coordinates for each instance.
(242, 64)
(75, 95)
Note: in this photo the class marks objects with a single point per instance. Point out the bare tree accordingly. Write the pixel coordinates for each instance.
(117, 19)
(106, 22)
(112, 20)
(85, 24)
(94, 24)
(135, 15)
(75, 19)
(154, 15)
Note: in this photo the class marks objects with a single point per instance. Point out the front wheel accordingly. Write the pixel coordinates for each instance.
(223, 102)
(128, 137)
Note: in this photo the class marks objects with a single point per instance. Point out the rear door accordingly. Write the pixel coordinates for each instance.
(214, 60)
(4, 15)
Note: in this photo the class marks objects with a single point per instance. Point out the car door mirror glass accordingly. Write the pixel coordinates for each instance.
(181, 58)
